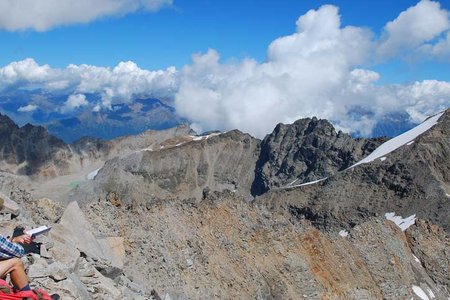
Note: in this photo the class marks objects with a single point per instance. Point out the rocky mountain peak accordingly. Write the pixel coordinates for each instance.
(307, 150)
(27, 149)
(7, 124)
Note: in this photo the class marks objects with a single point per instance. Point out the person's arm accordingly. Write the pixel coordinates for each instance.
(9, 249)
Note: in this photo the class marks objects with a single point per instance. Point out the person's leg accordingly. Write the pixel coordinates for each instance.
(14, 267)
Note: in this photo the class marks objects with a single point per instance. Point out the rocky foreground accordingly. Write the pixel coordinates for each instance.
(70, 261)
(229, 216)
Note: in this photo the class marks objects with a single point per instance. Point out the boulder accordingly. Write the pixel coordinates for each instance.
(9, 206)
(114, 248)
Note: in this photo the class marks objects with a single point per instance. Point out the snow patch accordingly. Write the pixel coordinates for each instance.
(205, 137)
(448, 195)
(92, 175)
(410, 143)
(179, 144)
(303, 184)
(383, 158)
(403, 223)
(430, 292)
(416, 259)
(293, 182)
(400, 140)
(419, 292)
(343, 233)
(311, 182)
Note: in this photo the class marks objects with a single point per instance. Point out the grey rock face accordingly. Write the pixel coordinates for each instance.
(431, 246)
(178, 169)
(307, 150)
(29, 146)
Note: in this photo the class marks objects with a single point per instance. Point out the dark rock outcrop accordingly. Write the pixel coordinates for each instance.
(307, 150)
(30, 148)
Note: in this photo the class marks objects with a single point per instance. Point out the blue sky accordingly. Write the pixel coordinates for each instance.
(156, 40)
(232, 62)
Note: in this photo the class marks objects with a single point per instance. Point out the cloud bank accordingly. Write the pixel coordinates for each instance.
(316, 71)
(41, 15)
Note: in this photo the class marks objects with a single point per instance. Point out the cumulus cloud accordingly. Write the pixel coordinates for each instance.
(27, 108)
(440, 49)
(74, 102)
(124, 82)
(121, 84)
(42, 15)
(303, 76)
(24, 71)
(413, 29)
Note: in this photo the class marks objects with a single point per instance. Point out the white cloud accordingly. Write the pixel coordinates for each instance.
(42, 15)
(303, 76)
(441, 49)
(27, 108)
(121, 84)
(24, 71)
(124, 82)
(414, 28)
(74, 102)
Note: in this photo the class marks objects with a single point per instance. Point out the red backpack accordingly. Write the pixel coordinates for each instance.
(7, 293)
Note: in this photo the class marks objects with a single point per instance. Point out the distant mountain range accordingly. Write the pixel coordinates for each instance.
(41, 108)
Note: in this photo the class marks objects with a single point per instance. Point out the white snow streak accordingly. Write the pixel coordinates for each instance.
(419, 292)
(410, 143)
(416, 259)
(293, 182)
(92, 175)
(430, 292)
(403, 223)
(383, 158)
(400, 140)
(343, 233)
(205, 137)
(309, 183)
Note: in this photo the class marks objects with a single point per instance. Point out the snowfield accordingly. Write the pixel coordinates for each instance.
(92, 175)
(403, 223)
(403, 139)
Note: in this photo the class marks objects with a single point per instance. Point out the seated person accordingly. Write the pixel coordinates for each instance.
(10, 262)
